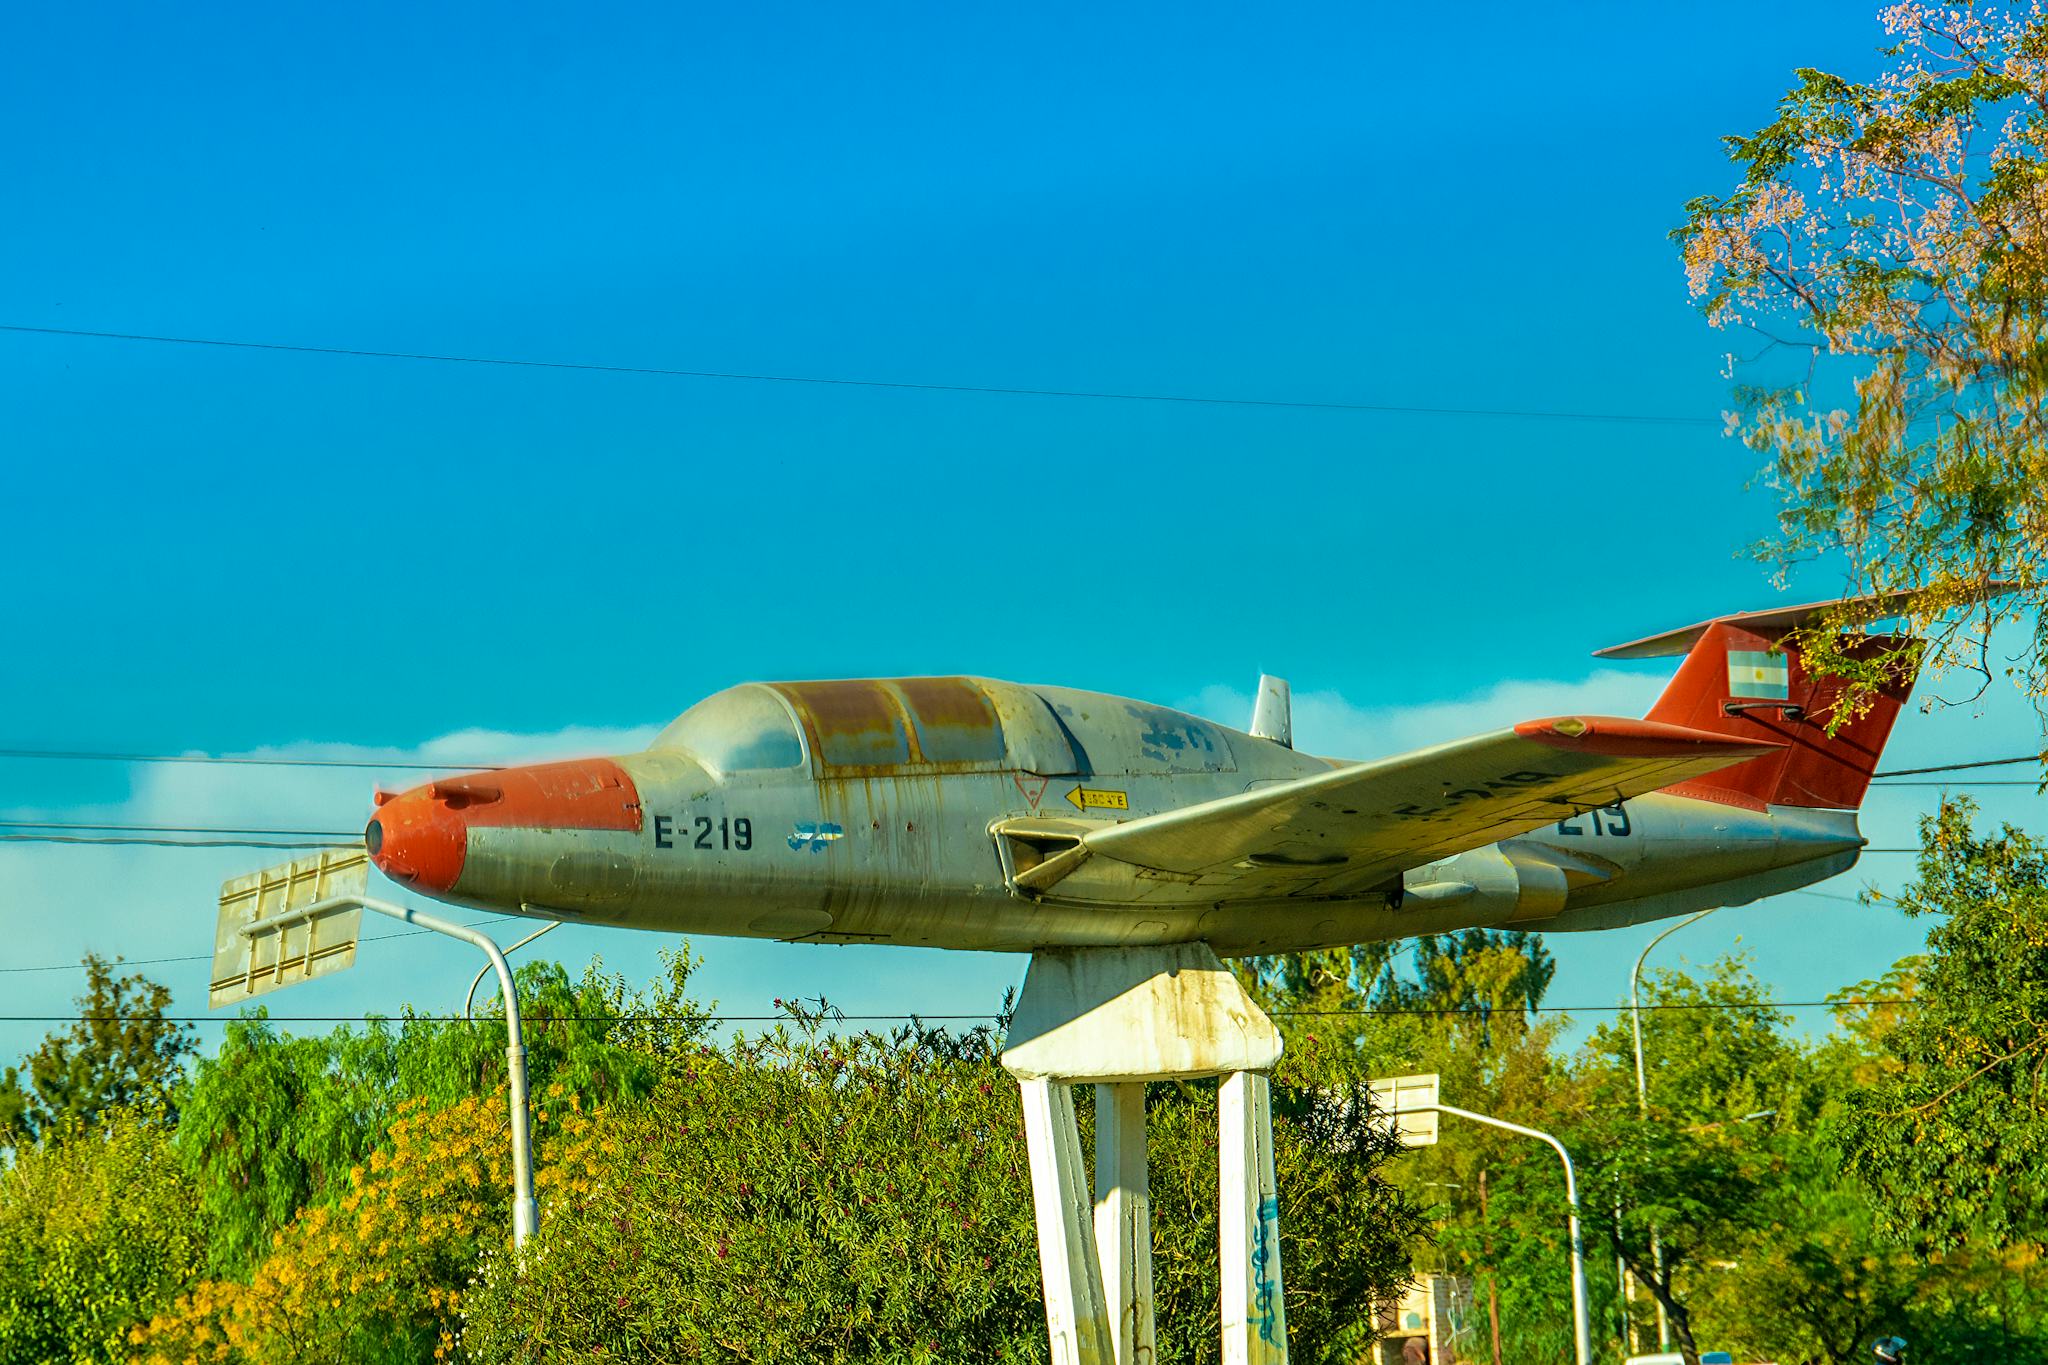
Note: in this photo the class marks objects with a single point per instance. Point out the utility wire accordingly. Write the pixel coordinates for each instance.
(79, 755)
(96, 756)
(142, 841)
(1529, 414)
(416, 933)
(1955, 767)
(1974, 782)
(208, 957)
(178, 829)
(537, 1016)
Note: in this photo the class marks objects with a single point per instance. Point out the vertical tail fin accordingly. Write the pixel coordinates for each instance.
(1743, 676)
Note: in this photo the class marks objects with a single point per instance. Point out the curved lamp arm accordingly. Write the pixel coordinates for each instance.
(1635, 1004)
(525, 1214)
(1581, 1329)
(469, 1001)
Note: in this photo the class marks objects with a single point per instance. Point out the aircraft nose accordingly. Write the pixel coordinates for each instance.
(485, 822)
(418, 841)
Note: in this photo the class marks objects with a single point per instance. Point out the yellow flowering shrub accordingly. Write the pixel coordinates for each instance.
(376, 1275)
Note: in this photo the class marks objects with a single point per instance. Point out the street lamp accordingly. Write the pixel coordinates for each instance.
(1635, 1014)
(525, 1213)
(1417, 1095)
(1635, 1004)
(299, 920)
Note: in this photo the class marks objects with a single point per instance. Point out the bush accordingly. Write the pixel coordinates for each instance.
(99, 1227)
(376, 1276)
(802, 1198)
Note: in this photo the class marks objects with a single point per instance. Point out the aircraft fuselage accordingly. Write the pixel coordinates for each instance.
(813, 812)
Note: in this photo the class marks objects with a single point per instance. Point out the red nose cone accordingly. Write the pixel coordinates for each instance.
(420, 838)
(418, 842)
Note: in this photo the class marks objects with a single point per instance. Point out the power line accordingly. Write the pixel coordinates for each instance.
(172, 836)
(1954, 767)
(1528, 414)
(535, 1016)
(208, 957)
(81, 755)
(98, 756)
(143, 841)
(178, 829)
(416, 933)
(1974, 782)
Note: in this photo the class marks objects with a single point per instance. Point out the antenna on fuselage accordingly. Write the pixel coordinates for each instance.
(1273, 712)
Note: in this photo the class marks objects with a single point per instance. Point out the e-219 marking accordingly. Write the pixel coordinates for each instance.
(736, 833)
(1614, 818)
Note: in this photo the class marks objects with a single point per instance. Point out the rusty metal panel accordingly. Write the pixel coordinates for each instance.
(853, 723)
(261, 941)
(953, 719)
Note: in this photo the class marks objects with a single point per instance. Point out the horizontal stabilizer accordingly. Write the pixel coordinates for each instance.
(1775, 622)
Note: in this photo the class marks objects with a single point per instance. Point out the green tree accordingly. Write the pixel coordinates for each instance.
(122, 1053)
(1885, 253)
(1684, 1186)
(98, 1230)
(1462, 1006)
(1952, 1135)
(807, 1197)
(276, 1122)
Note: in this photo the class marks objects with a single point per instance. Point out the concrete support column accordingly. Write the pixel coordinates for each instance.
(1123, 1219)
(1248, 1223)
(1119, 1017)
(1075, 1313)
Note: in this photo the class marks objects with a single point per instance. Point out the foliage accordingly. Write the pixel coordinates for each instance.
(1687, 1179)
(1471, 971)
(1346, 1229)
(785, 1198)
(275, 1123)
(1464, 1009)
(809, 1195)
(1669, 1197)
(98, 1228)
(1950, 1137)
(1887, 243)
(122, 1052)
(805, 1197)
(376, 1276)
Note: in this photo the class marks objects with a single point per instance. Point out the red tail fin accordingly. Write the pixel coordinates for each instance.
(1737, 681)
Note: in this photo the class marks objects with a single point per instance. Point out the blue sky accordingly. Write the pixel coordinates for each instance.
(228, 551)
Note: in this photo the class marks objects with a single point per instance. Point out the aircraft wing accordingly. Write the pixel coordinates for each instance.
(1355, 827)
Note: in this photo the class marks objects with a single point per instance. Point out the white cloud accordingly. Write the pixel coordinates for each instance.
(60, 901)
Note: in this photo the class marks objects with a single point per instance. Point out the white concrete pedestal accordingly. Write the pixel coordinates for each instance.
(1120, 1017)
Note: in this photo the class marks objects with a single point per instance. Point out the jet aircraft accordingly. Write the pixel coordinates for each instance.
(960, 812)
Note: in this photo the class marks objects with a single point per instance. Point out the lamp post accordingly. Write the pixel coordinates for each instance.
(524, 1211)
(1582, 1340)
(1635, 1012)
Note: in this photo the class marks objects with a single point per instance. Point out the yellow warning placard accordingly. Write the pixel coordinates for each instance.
(1092, 798)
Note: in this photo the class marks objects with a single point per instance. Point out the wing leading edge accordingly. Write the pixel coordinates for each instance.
(1352, 829)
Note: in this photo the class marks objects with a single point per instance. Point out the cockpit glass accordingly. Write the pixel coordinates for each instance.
(745, 730)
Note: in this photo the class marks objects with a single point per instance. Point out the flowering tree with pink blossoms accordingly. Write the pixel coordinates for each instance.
(1883, 260)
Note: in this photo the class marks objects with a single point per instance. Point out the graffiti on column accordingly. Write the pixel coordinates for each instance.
(1266, 1270)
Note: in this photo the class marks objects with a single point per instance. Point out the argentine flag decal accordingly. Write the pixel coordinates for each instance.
(1754, 674)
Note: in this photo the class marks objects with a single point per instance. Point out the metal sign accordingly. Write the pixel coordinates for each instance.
(1407, 1102)
(265, 938)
